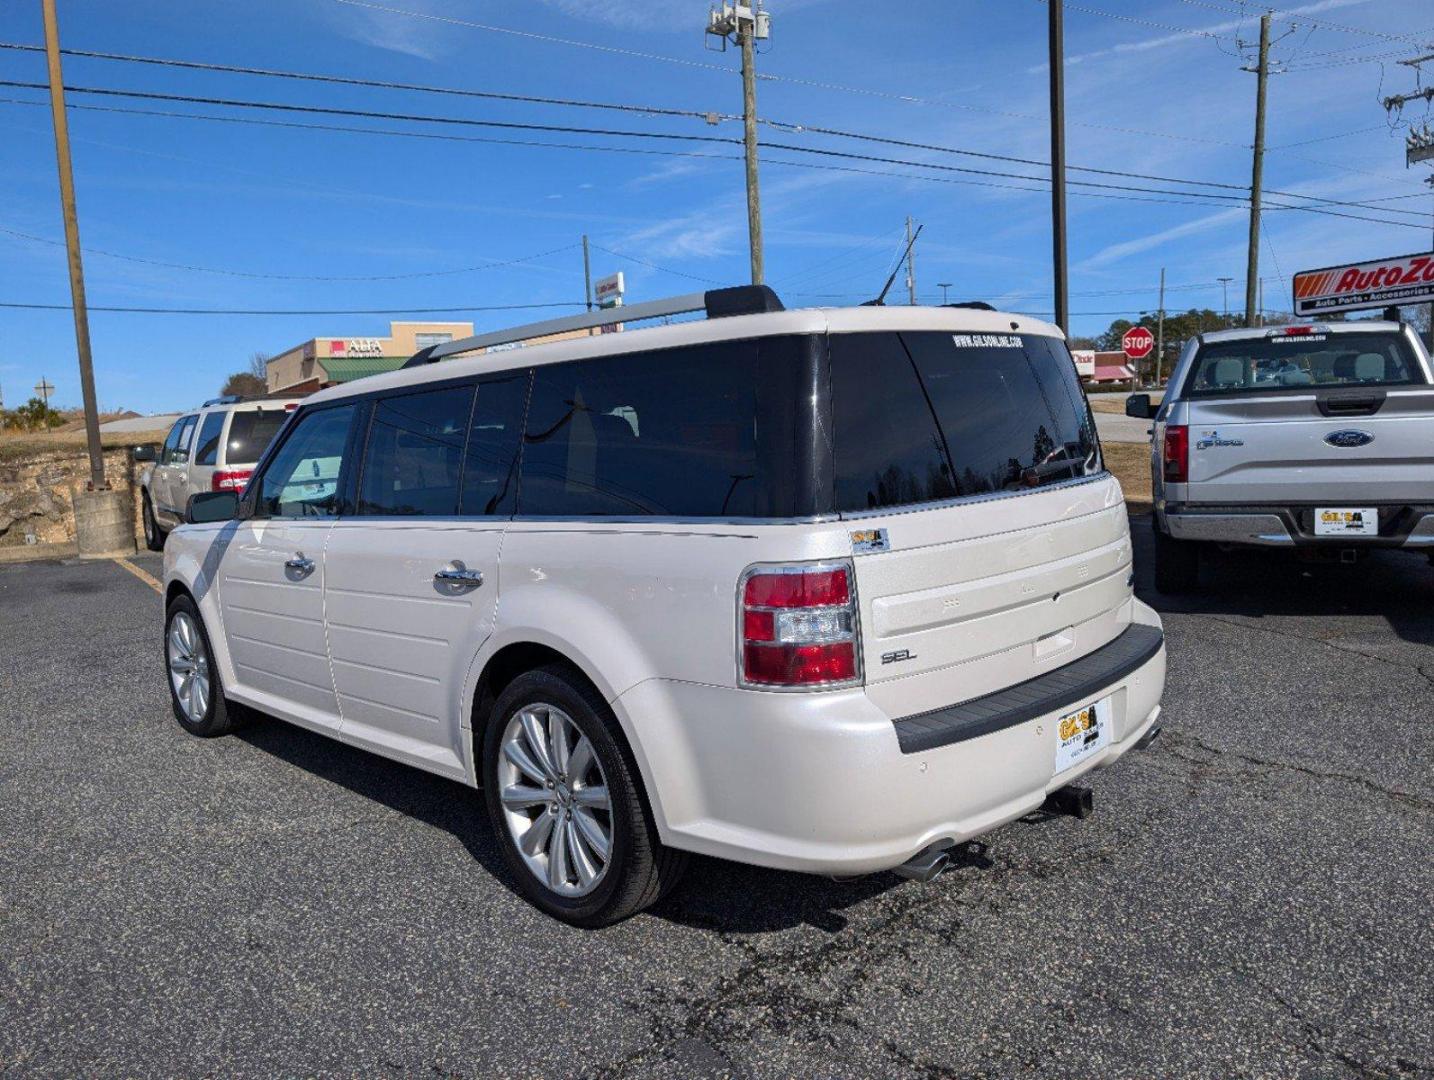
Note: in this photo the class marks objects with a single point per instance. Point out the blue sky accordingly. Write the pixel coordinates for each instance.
(293, 207)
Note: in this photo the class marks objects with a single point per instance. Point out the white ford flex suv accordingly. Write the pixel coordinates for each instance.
(1317, 437)
(825, 590)
(211, 449)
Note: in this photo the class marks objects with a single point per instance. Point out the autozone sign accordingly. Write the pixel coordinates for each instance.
(1406, 279)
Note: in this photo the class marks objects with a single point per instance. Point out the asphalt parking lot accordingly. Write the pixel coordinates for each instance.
(1250, 899)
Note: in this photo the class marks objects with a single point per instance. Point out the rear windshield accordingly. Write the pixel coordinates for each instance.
(920, 417)
(1302, 361)
(250, 433)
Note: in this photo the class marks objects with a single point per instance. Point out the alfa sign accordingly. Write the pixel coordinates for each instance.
(1138, 343)
(1405, 279)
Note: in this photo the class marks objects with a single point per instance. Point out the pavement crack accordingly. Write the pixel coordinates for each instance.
(1331, 643)
(1179, 738)
(1318, 1041)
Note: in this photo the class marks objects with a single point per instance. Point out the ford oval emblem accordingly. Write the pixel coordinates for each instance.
(1347, 440)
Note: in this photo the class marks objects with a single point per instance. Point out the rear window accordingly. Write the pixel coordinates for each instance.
(1302, 361)
(920, 417)
(701, 431)
(250, 433)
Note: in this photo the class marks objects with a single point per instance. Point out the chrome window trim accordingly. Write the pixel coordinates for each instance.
(971, 500)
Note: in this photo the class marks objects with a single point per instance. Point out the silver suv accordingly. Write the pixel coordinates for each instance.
(214, 448)
(1318, 437)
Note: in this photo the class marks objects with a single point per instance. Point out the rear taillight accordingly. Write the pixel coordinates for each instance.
(1177, 453)
(798, 627)
(230, 479)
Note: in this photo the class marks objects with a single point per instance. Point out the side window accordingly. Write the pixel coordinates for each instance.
(888, 449)
(171, 441)
(490, 483)
(302, 479)
(207, 449)
(671, 432)
(414, 460)
(178, 454)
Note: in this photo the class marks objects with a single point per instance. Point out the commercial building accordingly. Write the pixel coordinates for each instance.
(327, 361)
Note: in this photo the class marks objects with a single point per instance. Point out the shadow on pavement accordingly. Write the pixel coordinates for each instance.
(1254, 583)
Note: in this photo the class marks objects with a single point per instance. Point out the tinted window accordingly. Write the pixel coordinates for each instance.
(172, 439)
(177, 451)
(207, 450)
(302, 479)
(1282, 361)
(415, 453)
(250, 433)
(702, 431)
(931, 415)
(490, 483)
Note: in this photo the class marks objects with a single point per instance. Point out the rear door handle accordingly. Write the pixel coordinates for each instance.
(299, 564)
(455, 573)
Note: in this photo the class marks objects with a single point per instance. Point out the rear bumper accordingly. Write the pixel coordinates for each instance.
(1289, 526)
(820, 782)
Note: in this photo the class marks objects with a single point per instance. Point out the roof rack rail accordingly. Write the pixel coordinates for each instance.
(717, 303)
(223, 399)
(978, 305)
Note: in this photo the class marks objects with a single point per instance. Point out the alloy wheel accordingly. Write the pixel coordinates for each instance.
(188, 667)
(555, 800)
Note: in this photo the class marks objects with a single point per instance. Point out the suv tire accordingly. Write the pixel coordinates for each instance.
(552, 800)
(1177, 562)
(196, 692)
(153, 534)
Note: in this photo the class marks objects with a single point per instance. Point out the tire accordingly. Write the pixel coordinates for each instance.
(1177, 562)
(638, 869)
(153, 534)
(187, 648)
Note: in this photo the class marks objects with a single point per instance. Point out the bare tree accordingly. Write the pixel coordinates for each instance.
(259, 365)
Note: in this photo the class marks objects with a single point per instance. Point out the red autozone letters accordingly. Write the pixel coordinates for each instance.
(1408, 279)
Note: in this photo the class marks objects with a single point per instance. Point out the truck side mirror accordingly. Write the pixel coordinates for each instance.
(209, 506)
(146, 452)
(1138, 407)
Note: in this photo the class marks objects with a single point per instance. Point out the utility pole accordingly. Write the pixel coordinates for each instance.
(748, 23)
(910, 265)
(1058, 161)
(1418, 144)
(1252, 263)
(72, 245)
(1225, 292)
(943, 286)
(1160, 331)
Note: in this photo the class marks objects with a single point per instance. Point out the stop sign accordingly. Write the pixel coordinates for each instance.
(1138, 343)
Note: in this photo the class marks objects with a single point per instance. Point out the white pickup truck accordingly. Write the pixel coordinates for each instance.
(1317, 437)
(214, 448)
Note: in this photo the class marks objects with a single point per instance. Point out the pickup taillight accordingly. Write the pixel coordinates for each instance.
(1177, 453)
(230, 479)
(798, 627)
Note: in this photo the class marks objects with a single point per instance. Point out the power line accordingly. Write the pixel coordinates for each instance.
(1306, 20)
(288, 277)
(707, 139)
(343, 80)
(305, 311)
(655, 266)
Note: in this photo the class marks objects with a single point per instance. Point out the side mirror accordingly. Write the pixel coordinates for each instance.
(1138, 406)
(146, 452)
(211, 506)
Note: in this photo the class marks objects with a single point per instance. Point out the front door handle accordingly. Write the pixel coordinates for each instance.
(299, 565)
(455, 573)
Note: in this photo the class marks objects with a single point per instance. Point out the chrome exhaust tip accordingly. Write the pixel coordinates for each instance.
(925, 865)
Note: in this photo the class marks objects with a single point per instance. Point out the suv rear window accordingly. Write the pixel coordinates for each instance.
(700, 431)
(250, 433)
(1284, 361)
(920, 417)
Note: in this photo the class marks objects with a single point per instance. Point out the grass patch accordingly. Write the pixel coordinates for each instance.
(21, 447)
(1130, 463)
(1117, 405)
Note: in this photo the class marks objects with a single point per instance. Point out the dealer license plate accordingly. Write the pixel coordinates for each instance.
(1082, 733)
(1345, 521)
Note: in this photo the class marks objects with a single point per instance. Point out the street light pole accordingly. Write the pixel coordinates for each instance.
(72, 245)
(943, 286)
(1225, 292)
(1058, 162)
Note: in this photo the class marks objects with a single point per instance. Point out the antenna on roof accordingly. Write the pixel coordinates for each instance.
(881, 299)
